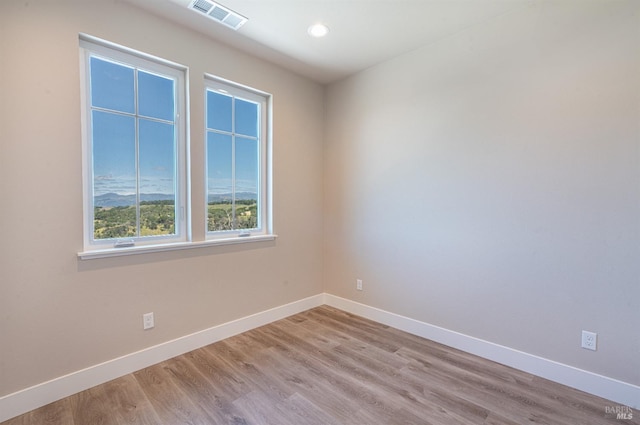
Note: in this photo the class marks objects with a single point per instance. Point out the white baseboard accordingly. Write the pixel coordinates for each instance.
(42, 394)
(602, 386)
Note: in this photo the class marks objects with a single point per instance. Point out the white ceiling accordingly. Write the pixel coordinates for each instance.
(362, 32)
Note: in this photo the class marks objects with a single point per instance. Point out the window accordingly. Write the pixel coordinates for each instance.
(135, 156)
(237, 143)
(135, 177)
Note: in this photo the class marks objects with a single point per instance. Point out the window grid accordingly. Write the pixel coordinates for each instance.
(233, 134)
(137, 116)
(151, 129)
(146, 117)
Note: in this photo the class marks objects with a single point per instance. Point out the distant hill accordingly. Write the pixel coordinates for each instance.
(226, 197)
(115, 200)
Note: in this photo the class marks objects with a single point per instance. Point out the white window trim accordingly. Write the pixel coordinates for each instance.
(149, 249)
(93, 251)
(265, 100)
(90, 46)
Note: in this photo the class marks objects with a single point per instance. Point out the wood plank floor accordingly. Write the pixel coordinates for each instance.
(326, 367)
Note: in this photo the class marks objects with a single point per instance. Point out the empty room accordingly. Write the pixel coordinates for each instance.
(321, 212)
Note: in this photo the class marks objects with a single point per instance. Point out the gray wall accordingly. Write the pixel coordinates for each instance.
(489, 183)
(58, 314)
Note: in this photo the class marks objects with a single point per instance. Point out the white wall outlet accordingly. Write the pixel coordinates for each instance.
(359, 284)
(589, 340)
(147, 321)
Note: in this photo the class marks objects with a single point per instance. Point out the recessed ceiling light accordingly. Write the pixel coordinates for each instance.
(318, 30)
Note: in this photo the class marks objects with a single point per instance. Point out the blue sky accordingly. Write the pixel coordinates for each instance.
(219, 144)
(114, 134)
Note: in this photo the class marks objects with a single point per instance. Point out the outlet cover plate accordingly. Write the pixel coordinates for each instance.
(589, 340)
(147, 321)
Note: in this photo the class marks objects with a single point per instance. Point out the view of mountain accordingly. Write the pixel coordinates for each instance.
(226, 197)
(116, 200)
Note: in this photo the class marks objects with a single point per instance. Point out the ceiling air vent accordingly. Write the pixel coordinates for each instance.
(218, 13)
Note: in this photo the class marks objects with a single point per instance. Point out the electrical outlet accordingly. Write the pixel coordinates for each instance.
(589, 340)
(147, 321)
(359, 284)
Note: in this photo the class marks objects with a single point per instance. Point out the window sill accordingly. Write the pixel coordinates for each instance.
(146, 249)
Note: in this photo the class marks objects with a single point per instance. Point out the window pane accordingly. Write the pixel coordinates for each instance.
(155, 96)
(157, 160)
(247, 183)
(112, 86)
(157, 178)
(219, 182)
(114, 175)
(218, 111)
(237, 172)
(114, 155)
(246, 118)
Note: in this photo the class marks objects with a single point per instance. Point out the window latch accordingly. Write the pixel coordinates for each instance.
(124, 243)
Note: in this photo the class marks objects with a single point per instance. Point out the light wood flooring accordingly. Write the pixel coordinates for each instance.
(326, 367)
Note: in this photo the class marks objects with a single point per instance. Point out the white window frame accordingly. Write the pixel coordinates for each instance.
(89, 47)
(265, 211)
